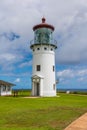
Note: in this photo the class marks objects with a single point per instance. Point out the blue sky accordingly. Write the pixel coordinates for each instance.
(17, 18)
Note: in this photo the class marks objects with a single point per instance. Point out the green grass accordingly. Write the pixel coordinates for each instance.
(53, 113)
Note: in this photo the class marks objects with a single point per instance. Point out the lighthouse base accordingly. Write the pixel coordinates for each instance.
(39, 89)
(49, 94)
(36, 92)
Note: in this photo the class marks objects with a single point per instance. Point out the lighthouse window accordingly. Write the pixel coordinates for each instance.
(45, 48)
(53, 68)
(38, 48)
(51, 49)
(54, 87)
(8, 88)
(38, 67)
(4, 88)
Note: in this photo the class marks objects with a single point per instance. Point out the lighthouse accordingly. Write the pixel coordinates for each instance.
(43, 67)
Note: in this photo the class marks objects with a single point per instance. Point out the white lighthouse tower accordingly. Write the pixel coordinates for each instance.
(43, 48)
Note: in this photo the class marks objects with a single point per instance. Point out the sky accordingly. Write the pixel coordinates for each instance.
(17, 18)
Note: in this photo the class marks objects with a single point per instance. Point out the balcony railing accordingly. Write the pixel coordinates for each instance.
(53, 42)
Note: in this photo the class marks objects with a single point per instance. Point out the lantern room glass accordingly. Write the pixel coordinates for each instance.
(43, 35)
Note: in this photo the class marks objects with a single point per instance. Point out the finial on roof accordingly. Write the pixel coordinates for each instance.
(43, 20)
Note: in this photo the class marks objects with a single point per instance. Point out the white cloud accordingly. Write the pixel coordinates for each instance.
(71, 73)
(82, 72)
(72, 78)
(68, 17)
(25, 64)
(7, 57)
(65, 73)
(74, 40)
(70, 21)
(80, 79)
(17, 80)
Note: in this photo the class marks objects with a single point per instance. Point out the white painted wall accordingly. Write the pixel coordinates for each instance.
(3, 93)
(45, 58)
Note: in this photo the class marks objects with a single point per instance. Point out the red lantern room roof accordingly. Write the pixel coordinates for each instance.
(43, 25)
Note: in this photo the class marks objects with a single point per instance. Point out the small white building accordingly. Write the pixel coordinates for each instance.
(5, 88)
(43, 47)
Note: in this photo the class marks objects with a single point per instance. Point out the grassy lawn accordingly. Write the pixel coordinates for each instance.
(53, 113)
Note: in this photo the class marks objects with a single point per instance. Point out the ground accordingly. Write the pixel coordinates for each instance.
(53, 113)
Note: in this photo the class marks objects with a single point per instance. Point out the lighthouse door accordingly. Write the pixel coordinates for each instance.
(37, 88)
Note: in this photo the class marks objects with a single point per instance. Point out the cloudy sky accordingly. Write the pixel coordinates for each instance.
(17, 17)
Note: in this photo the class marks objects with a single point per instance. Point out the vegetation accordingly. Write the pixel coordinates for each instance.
(53, 113)
(73, 92)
